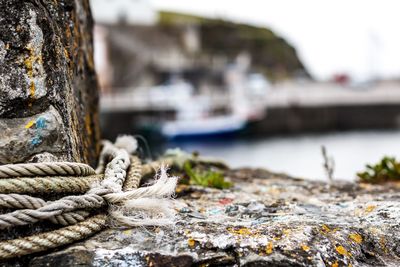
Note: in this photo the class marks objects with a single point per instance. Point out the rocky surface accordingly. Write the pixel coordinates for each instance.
(264, 220)
(48, 90)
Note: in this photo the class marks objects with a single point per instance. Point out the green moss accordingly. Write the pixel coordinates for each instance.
(172, 18)
(205, 178)
(388, 169)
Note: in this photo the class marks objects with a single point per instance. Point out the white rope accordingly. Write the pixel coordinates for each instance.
(151, 205)
(125, 209)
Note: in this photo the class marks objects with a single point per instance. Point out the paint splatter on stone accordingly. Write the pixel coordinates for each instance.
(37, 134)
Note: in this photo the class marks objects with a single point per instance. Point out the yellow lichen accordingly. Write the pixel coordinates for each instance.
(180, 188)
(88, 124)
(29, 69)
(382, 242)
(370, 208)
(325, 229)
(305, 247)
(269, 248)
(356, 238)
(286, 232)
(191, 242)
(342, 251)
(66, 54)
(335, 264)
(127, 232)
(242, 231)
(29, 62)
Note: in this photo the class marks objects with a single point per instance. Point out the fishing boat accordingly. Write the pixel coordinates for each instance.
(203, 127)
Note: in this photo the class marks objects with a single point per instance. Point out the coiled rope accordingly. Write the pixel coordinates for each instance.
(114, 186)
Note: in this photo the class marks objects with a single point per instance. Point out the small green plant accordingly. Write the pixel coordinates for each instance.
(206, 178)
(388, 169)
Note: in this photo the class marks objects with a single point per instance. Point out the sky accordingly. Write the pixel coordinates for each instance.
(360, 38)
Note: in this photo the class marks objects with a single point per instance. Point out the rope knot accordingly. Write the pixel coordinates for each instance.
(114, 184)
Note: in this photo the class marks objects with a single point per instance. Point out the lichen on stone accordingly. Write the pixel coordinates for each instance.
(35, 73)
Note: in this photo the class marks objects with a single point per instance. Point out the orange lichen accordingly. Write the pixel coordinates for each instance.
(342, 251)
(335, 264)
(269, 248)
(356, 238)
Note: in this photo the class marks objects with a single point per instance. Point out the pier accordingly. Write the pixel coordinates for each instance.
(290, 108)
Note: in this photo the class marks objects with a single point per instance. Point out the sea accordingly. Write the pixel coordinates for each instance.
(300, 155)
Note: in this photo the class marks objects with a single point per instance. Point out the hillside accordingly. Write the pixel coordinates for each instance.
(270, 53)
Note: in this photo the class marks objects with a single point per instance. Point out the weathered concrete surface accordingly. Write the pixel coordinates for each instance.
(46, 65)
(265, 220)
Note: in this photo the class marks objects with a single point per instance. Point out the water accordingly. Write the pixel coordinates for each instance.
(300, 156)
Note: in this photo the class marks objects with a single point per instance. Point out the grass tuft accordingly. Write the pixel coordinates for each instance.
(205, 178)
(388, 169)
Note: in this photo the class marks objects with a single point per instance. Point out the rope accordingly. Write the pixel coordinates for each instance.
(152, 167)
(134, 174)
(53, 239)
(16, 201)
(117, 188)
(48, 185)
(45, 168)
(66, 204)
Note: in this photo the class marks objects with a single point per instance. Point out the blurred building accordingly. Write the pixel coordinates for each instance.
(137, 46)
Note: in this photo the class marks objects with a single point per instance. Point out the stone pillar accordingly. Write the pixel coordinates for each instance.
(48, 88)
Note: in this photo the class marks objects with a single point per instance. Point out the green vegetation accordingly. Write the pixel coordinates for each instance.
(388, 169)
(205, 178)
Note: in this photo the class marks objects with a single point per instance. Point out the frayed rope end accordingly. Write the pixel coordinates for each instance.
(147, 206)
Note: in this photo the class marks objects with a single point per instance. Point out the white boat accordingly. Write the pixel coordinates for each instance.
(209, 126)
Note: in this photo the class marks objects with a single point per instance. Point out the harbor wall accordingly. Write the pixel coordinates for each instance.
(298, 119)
(279, 120)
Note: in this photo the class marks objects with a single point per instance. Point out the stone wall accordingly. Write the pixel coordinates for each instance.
(48, 88)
